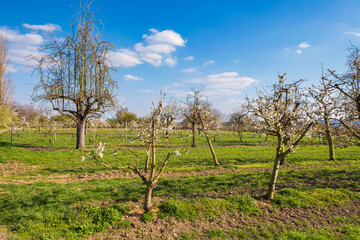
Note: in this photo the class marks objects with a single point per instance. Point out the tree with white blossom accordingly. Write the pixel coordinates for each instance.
(281, 113)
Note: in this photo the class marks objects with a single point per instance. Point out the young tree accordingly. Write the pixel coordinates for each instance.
(6, 89)
(324, 109)
(151, 134)
(171, 112)
(238, 121)
(205, 119)
(75, 74)
(348, 85)
(281, 113)
(190, 116)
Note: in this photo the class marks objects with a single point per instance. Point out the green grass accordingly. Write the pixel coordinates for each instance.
(194, 190)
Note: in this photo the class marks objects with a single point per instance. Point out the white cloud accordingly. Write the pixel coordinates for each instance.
(353, 33)
(130, 77)
(124, 58)
(195, 80)
(155, 48)
(171, 61)
(228, 80)
(14, 37)
(189, 58)
(146, 90)
(47, 27)
(159, 46)
(11, 69)
(304, 45)
(299, 51)
(208, 63)
(194, 69)
(222, 84)
(189, 70)
(165, 37)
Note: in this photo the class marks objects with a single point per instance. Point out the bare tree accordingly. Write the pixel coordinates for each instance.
(281, 113)
(348, 85)
(238, 120)
(190, 116)
(205, 119)
(171, 112)
(6, 88)
(75, 74)
(151, 134)
(325, 109)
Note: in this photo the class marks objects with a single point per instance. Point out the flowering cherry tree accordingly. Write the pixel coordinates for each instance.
(281, 113)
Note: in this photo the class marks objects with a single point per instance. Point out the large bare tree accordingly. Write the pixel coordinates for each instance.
(6, 89)
(75, 74)
(281, 113)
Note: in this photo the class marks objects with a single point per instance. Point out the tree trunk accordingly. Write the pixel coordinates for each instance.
(147, 204)
(80, 135)
(147, 158)
(194, 140)
(216, 162)
(330, 140)
(275, 172)
(240, 136)
(274, 175)
(283, 160)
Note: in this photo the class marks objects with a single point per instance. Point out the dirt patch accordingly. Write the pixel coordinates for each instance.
(42, 149)
(4, 234)
(296, 218)
(14, 168)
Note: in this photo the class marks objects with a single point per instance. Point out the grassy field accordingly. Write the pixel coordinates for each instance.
(47, 192)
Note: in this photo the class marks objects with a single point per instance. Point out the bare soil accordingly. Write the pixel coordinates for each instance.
(285, 219)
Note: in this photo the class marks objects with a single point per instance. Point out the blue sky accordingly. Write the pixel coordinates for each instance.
(225, 48)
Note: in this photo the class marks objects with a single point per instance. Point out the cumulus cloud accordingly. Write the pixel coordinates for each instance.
(124, 58)
(21, 47)
(15, 37)
(168, 37)
(156, 49)
(130, 77)
(304, 45)
(189, 58)
(299, 51)
(171, 61)
(47, 27)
